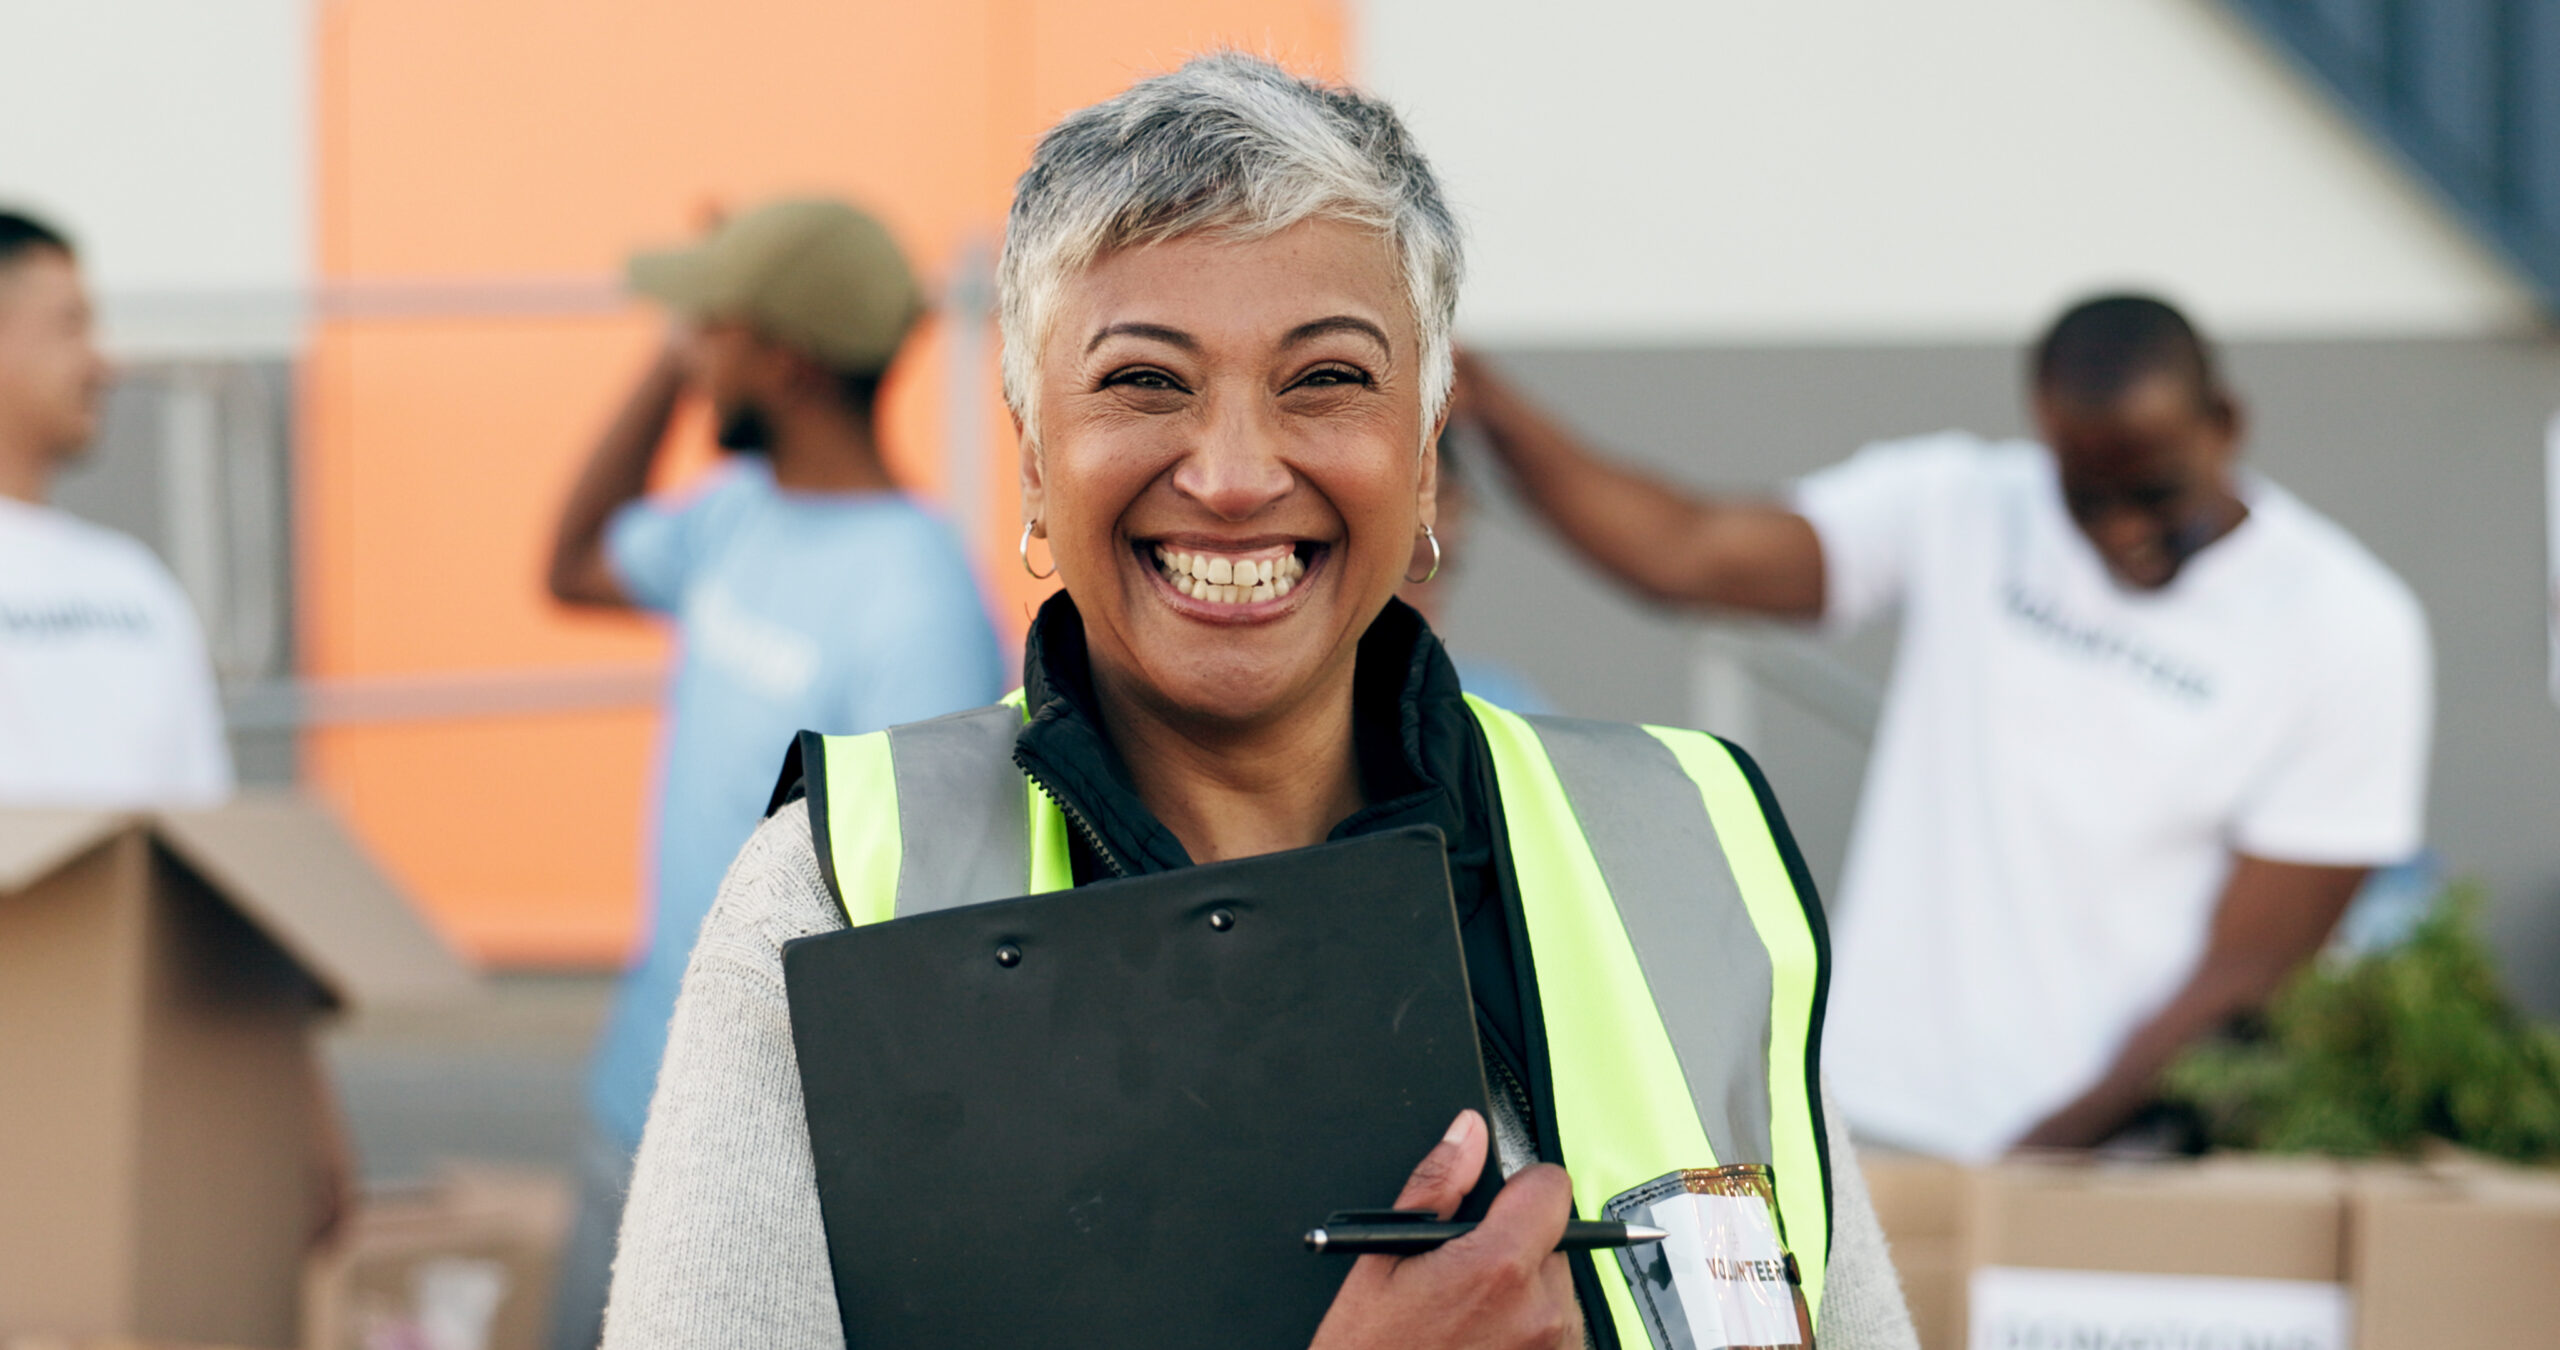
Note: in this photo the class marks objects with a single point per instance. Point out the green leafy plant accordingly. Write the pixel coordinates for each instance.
(2380, 1053)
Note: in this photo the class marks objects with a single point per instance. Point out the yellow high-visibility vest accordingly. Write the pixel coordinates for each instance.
(1680, 965)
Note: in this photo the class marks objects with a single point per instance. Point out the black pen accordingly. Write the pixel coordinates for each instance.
(1406, 1238)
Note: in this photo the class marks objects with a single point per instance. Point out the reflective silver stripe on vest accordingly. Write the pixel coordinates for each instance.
(963, 811)
(1684, 915)
(965, 838)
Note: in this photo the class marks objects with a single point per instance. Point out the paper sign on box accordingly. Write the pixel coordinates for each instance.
(2018, 1308)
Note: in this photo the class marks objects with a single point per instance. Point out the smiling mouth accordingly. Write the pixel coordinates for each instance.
(1245, 578)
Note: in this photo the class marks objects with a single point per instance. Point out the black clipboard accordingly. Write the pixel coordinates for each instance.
(1106, 1116)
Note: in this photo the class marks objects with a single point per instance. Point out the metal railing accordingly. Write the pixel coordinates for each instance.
(196, 457)
(1734, 666)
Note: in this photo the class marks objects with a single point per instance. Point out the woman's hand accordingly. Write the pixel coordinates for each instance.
(1502, 1287)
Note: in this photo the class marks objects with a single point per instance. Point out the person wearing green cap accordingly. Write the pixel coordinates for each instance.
(806, 591)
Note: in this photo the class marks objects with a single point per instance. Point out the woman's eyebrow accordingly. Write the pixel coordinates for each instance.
(1337, 323)
(1173, 337)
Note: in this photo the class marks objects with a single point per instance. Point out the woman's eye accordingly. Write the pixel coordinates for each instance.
(1141, 379)
(1332, 376)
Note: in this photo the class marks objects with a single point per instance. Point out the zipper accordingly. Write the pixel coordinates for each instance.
(1508, 1084)
(1084, 828)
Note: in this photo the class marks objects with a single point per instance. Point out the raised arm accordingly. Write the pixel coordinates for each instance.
(617, 471)
(1669, 545)
(2273, 916)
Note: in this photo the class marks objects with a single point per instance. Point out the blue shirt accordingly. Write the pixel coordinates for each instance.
(834, 612)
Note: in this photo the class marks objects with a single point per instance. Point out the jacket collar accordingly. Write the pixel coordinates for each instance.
(1419, 761)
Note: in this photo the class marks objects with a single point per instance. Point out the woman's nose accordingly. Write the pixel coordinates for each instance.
(1236, 468)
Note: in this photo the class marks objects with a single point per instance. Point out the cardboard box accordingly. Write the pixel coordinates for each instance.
(2076, 1250)
(160, 975)
(465, 1264)
(2231, 1249)
(2235, 1215)
(1926, 1208)
(2236, 1250)
(2464, 1254)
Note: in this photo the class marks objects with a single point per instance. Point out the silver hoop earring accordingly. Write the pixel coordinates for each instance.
(1434, 541)
(1026, 556)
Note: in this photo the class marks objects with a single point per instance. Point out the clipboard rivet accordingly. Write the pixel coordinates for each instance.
(1222, 918)
(1008, 955)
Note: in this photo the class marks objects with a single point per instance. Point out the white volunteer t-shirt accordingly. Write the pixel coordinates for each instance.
(2064, 768)
(106, 698)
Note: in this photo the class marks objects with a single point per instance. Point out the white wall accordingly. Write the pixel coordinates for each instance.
(1850, 170)
(172, 138)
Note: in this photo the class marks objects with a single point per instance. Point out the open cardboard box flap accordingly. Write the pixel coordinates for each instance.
(164, 1147)
(287, 867)
(34, 843)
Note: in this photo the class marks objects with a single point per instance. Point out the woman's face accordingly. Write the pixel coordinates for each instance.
(1213, 411)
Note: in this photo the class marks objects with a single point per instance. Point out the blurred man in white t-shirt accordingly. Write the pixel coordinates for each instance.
(106, 698)
(2151, 722)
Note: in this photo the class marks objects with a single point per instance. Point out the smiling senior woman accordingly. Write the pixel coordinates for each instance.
(1227, 296)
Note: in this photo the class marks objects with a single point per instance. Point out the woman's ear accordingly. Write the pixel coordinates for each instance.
(1427, 482)
(1035, 486)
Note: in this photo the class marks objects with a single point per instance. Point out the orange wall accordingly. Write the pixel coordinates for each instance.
(468, 148)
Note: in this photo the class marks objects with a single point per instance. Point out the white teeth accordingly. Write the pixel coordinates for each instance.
(1230, 581)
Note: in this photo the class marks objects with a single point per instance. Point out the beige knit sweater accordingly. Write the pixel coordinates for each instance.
(721, 1243)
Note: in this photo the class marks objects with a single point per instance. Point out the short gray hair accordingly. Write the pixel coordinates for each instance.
(1233, 144)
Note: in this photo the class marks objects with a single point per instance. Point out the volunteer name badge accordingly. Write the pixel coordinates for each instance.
(1724, 1279)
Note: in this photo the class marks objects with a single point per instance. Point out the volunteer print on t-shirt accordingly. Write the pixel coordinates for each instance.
(106, 698)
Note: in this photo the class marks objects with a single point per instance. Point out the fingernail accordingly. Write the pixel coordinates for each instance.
(1461, 1129)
